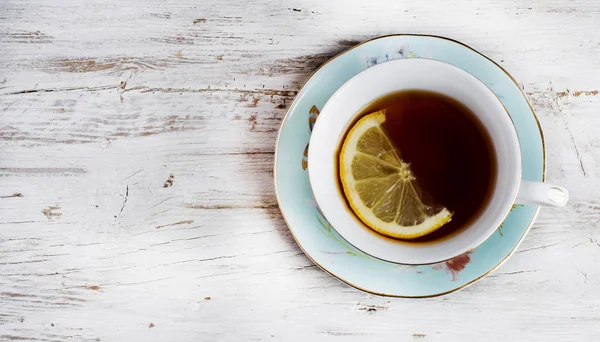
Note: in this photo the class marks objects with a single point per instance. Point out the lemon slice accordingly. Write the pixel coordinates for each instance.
(380, 187)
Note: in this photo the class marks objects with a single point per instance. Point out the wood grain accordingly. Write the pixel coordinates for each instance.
(136, 154)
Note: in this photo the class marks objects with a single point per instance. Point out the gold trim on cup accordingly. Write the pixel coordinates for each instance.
(387, 294)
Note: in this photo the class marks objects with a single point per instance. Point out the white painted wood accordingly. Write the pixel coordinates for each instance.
(101, 102)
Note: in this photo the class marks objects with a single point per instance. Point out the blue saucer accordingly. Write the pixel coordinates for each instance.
(324, 246)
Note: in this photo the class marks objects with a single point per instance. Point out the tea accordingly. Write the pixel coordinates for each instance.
(449, 151)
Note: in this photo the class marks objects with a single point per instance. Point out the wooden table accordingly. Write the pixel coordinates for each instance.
(136, 155)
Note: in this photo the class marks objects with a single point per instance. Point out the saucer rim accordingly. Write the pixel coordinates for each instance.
(534, 217)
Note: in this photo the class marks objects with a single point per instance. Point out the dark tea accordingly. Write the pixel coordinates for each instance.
(448, 149)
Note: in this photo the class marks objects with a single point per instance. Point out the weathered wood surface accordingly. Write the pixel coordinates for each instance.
(136, 152)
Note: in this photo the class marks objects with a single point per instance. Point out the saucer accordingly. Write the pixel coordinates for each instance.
(319, 240)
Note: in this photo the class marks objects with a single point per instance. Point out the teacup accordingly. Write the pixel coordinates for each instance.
(421, 74)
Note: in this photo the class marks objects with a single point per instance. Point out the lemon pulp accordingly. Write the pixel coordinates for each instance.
(380, 187)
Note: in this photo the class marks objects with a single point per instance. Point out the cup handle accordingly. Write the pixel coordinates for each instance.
(542, 194)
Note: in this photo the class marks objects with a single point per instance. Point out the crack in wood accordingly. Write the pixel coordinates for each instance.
(146, 89)
(513, 273)
(540, 247)
(304, 267)
(16, 194)
(553, 100)
(50, 90)
(213, 235)
(265, 92)
(137, 283)
(133, 174)
(248, 153)
(125, 200)
(225, 207)
(33, 37)
(198, 260)
(15, 338)
(370, 308)
(594, 240)
(23, 262)
(342, 333)
(575, 146)
(43, 170)
(175, 224)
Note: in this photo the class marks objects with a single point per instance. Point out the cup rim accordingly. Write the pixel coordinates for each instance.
(519, 156)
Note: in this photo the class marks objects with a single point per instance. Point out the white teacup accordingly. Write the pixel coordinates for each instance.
(420, 74)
